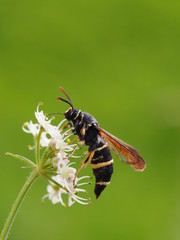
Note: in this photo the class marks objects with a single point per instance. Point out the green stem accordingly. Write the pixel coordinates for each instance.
(44, 157)
(17, 204)
(48, 157)
(37, 146)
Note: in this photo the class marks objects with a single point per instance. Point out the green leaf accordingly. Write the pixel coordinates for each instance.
(27, 161)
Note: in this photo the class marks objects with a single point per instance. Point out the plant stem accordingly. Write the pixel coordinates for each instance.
(37, 146)
(17, 204)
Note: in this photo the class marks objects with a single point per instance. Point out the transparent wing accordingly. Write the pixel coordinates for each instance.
(123, 151)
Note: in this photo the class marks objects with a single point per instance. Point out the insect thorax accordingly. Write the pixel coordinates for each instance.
(84, 125)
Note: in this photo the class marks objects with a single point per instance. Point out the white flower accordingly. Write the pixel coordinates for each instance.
(60, 160)
(31, 128)
(58, 139)
(43, 121)
(65, 178)
(45, 141)
(51, 136)
(74, 198)
(60, 143)
(68, 174)
(54, 194)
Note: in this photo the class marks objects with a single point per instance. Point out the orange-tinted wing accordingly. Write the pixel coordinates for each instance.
(119, 147)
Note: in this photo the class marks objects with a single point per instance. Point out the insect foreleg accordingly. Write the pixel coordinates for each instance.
(84, 164)
(74, 140)
(65, 126)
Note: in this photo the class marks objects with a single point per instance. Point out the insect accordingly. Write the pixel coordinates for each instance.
(100, 142)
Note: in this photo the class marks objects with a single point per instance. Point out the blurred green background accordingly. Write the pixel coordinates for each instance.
(119, 61)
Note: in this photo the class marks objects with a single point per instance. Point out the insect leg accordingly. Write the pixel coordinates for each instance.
(74, 140)
(65, 126)
(84, 164)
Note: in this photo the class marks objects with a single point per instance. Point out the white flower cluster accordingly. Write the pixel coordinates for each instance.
(51, 134)
(55, 162)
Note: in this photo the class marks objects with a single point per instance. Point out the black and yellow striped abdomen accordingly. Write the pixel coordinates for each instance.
(102, 165)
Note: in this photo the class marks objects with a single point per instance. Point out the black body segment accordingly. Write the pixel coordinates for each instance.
(101, 162)
(102, 165)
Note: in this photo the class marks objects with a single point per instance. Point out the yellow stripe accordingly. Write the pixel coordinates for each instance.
(68, 110)
(103, 183)
(102, 164)
(99, 149)
(77, 115)
(81, 119)
(89, 125)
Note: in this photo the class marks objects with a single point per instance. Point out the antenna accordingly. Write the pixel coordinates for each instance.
(62, 99)
(70, 102)
(54, 113)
